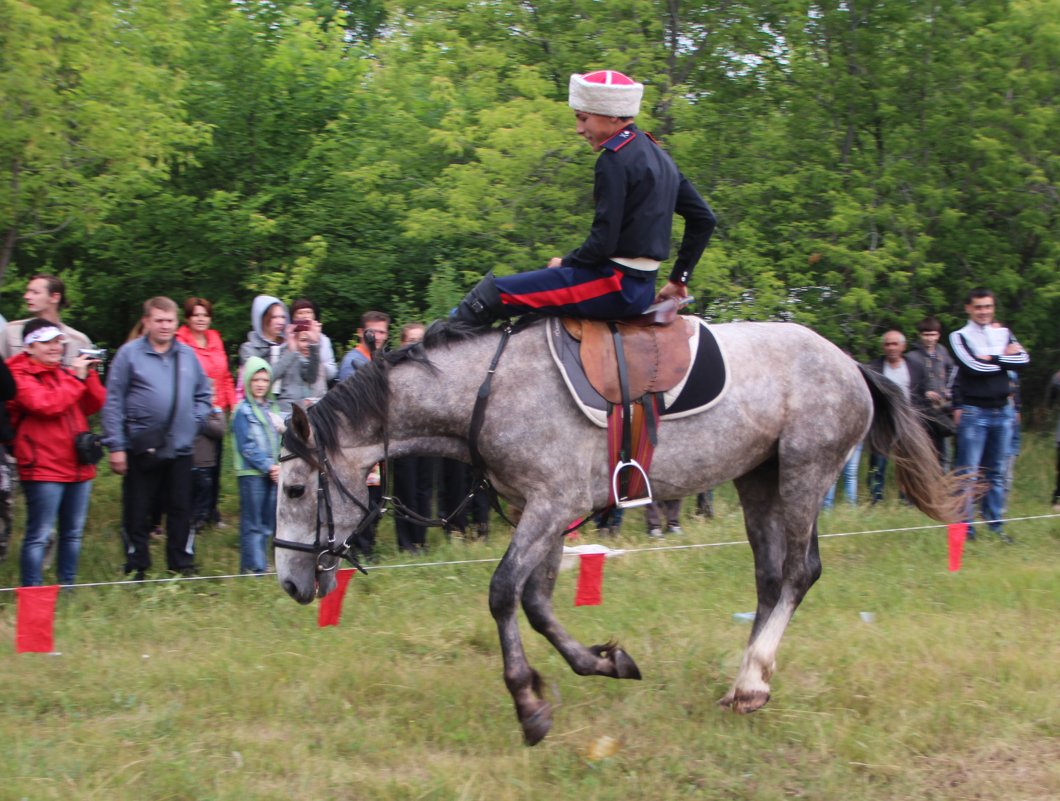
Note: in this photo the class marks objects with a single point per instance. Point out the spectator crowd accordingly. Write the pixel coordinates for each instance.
(168, 408)
(171, 404)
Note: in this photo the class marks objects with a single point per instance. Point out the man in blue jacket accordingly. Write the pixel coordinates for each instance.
(157, 399)
(637, 190)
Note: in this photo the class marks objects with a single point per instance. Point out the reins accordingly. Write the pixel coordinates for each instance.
(373, 512)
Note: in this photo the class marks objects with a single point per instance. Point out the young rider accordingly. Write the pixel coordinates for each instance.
(637, 190)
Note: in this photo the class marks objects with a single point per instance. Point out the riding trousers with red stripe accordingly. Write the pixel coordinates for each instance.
(604, 292)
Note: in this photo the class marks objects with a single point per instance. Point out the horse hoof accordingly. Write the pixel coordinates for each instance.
(625, 667)
(537, 725)
(745, 702)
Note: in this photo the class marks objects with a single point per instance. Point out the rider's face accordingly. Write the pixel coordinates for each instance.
(596, 128)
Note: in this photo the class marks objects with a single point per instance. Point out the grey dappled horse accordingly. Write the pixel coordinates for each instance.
(794, 408)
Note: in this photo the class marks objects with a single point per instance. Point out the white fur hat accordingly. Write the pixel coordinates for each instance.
(605, 92)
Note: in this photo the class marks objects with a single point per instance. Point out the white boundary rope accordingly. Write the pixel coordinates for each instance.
(413, 565)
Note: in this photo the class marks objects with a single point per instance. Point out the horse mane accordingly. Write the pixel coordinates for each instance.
(366, 394)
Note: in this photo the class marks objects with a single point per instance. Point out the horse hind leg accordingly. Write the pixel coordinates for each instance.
(607, 659)
(783, 537)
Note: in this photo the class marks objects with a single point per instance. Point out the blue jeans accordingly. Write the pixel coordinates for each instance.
(849, 477)
(46, 501)
(257, 522)
(876, 475)
(983, 441)
(1014, 442)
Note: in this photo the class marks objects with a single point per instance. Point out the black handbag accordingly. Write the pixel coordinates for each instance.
(89, 447)
(146, 452)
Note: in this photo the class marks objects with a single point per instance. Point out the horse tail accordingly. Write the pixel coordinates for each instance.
(898, 431)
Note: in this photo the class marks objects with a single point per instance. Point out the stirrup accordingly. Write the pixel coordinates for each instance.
(629, 503)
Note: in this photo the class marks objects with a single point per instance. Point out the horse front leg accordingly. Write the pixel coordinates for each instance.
(530, 546)
(596, 660)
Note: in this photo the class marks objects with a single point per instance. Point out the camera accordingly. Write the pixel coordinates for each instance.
(301, 326)
(93, 353)
(369, 338)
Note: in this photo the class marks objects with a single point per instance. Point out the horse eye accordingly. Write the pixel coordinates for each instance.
(295, 491)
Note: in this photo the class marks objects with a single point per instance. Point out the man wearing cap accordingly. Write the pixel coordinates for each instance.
(637, 190)
(45, 295)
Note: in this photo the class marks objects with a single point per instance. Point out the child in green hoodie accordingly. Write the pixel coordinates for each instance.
(256, 428)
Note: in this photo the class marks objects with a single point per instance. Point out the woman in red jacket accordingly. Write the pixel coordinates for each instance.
(51, 406)
(206, 342)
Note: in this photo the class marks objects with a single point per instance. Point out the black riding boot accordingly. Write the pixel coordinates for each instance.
(481, 306)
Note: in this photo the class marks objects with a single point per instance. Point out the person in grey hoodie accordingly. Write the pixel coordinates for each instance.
(291, 349)
(268, 325)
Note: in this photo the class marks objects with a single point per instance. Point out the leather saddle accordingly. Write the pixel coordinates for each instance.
(655, 346)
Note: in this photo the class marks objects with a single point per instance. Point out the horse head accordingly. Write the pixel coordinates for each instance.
(314, 508)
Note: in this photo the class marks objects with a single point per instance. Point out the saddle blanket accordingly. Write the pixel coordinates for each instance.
(703, 385)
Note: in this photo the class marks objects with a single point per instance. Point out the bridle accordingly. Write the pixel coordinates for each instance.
(330, 552)
(331, 547)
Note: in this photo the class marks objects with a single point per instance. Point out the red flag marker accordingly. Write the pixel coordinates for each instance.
(35, 619)
(590, 579)
(956, 533)
(331, 604)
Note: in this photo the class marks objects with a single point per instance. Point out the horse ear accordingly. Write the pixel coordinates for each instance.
(300, 422)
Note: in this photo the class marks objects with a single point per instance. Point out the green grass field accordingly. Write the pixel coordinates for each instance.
(226, 689)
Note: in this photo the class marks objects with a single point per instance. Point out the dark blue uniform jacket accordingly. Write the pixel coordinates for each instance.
(638, 188)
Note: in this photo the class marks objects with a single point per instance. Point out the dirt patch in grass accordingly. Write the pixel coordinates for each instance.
(1027, 771)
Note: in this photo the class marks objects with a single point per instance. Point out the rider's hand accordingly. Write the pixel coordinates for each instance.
(555, 261)
(672, 290)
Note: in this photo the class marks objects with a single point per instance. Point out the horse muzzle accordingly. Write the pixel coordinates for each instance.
(297, 575)
(304, 577)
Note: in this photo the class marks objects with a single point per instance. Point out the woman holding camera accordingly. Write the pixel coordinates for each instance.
(296, 380)
(51, 407)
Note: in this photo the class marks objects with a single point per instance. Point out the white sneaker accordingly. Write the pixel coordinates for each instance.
(674, 530)
(655, 533)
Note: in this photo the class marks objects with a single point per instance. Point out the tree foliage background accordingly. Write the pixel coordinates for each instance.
(869, 160)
